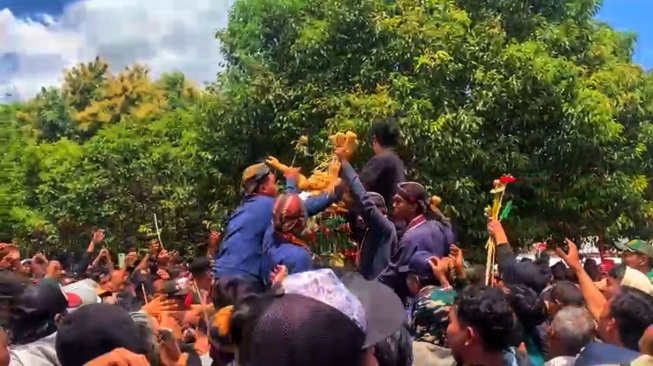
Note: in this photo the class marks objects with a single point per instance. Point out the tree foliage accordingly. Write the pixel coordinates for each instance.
(538, 89)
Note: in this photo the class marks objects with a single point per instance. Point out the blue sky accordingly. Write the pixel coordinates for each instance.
(632, 15)
(167, 35)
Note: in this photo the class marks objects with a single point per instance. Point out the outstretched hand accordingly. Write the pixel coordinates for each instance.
(456, 256)
(571, 258)
(279, 273)
(341, 153)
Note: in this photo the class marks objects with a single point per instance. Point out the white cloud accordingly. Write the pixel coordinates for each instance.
(167, 35)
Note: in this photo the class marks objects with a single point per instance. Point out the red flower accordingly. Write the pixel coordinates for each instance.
(506, 179)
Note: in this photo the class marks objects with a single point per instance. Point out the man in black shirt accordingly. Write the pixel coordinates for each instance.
(382, 172)
(385, 170)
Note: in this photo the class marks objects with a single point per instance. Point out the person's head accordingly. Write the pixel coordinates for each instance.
(561, 295)
(430, 317)
(117, 281)
(38, 266)
(55, 269)
(313, 318)
(100, 275)
(529, 309)
(94, 330)
(385, 134)
(163, 257)
(200, 269)
(38, 310)
(529, 274)
(289, 215)
(410, 201)
(614, 278)
(419, 273)
(592, 269)
(481, 325)
(637, 254)
(625, 317)
(179, 290)
(229, 291)
(475, 275)
(572, 328)
(11, 287)
(259, 180)
(379, 202)
(26, 267)
(559, 272)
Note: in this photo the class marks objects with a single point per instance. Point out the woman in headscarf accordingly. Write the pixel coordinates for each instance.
(283, 245)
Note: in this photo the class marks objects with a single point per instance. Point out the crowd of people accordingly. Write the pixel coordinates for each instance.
(259, 297)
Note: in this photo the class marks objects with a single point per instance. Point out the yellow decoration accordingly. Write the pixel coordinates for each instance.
(492, 212)
(325, 176)
(222, 320)
(337, 260)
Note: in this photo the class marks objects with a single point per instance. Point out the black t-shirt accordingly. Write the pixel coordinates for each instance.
(381, 174)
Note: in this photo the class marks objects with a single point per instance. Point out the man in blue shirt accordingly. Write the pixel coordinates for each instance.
(241, 252)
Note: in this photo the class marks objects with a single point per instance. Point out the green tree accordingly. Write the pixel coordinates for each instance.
(107, 150)
(542, 91)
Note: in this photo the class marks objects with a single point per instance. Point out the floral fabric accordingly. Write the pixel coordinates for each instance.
(324, 286)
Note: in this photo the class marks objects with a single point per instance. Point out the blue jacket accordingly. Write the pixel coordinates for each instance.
(432, 236)
(241, 251)
(597, 354)
(278, 250)
(380, 236)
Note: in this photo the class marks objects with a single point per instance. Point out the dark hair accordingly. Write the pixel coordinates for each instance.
(199, 266)
(528, 306)
(618, 272)
(486, 309)
(396, 350)
(273, 326)
(566, 293)
(559, 272)
(386, 132)
(592, 269)
(12, 285)
(229, 291)
(632, 310)
(530, 310)
(96, 272)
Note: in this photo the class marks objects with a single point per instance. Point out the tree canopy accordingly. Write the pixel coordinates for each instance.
(538, 89)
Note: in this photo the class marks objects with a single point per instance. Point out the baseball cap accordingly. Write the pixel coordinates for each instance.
(94, 330)
(418, 264)
(177, 287)
(636, 246)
